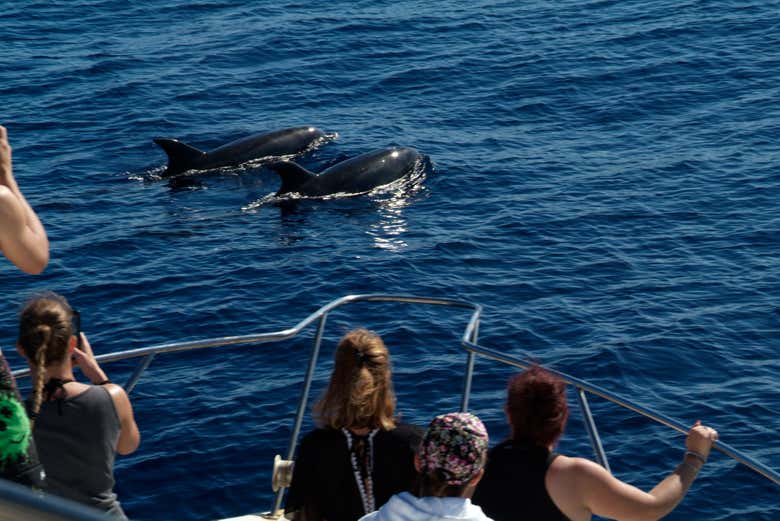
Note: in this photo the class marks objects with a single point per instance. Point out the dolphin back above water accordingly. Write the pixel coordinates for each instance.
(285, 142)
(358, 175)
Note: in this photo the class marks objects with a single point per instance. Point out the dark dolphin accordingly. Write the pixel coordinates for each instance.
(358, 175)
(288, 141)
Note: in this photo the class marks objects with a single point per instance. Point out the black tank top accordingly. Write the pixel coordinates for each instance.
(513, 485)
(324, 485)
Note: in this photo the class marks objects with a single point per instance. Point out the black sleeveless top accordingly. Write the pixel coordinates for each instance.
(324, 484)
(513, 485)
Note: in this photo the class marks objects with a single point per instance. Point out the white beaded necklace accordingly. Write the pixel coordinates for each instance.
(366, 489)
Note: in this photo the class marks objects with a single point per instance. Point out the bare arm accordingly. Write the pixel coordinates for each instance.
(22, 236)
(581, 487)
(129, 436)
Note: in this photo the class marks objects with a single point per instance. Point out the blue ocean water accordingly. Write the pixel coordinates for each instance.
(603, 181)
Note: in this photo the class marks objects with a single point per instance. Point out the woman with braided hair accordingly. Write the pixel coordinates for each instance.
(360, 455)
(77, 427)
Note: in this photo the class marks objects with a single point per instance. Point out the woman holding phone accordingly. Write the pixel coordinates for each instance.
(78, 427)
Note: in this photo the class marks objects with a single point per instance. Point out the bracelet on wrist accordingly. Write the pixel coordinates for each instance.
(691, 465)
(696, 455)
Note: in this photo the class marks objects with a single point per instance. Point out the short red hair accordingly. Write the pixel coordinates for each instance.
(536, 406)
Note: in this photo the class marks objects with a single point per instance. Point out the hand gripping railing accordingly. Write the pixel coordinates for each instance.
(468, 342)
(583, 387)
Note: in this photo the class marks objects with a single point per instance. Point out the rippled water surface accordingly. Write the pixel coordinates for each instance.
(603, 180)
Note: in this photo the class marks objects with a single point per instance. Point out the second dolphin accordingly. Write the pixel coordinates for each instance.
(358, 175)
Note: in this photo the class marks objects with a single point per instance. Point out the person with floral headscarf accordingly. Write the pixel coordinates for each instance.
(450, 462)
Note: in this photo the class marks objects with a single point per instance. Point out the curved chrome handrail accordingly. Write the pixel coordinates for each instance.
(627, 404)
(468, 342)
(276, 335)
(20, 503)
(149, 353)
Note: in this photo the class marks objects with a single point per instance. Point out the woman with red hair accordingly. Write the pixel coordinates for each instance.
(525, 479)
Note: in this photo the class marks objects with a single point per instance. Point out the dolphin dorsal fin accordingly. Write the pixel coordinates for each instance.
(180, 155)
(292, 175)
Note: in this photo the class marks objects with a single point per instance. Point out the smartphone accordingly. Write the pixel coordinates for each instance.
(77, 327)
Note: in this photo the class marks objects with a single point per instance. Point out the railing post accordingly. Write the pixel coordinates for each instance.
(464, 403)
(590, 424)
(315, 352)
(139, 370)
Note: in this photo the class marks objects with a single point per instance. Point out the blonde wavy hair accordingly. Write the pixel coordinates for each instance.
(360, 392)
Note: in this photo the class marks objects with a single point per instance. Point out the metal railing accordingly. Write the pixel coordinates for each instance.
(468, 342)
(20, 503)
(583, 387)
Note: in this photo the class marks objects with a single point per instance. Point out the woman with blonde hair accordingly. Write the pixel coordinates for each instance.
(359, 455)
(77, 427)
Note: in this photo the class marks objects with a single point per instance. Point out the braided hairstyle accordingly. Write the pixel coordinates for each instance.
(360, 392)
(45, 328)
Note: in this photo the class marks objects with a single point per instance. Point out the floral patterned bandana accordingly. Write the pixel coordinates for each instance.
(455, 444)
